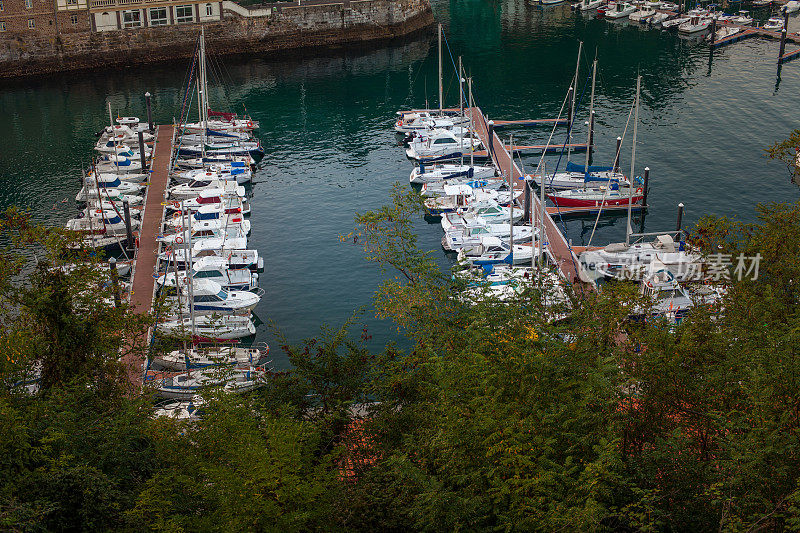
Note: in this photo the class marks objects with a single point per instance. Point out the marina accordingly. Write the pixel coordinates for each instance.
(334, 196)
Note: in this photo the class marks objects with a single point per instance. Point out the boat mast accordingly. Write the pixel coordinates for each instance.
(511, 200)
(572, 103)
(440, 70)
(591, 112)
(628, 229)
(190, 258)
(461, 109)
(471, 127)
(203, 103)
(541, 218)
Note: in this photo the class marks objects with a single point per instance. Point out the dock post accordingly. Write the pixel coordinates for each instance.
(112, 269)
(713, 32)
(527, 200)
(591, 136)
(142, 154)
(783, 45)
(490, 148)
(785, 18)
(680, 220)
(646, 185)
(149, 112)
(616, 155)
(126, 208)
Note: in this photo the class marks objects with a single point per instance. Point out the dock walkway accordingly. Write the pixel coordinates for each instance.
(565, 259)
(143, 282)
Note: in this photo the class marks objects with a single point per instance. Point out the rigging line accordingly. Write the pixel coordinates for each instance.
(630, 113)
(453, 61)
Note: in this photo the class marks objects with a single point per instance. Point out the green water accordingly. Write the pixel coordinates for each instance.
(326, 126)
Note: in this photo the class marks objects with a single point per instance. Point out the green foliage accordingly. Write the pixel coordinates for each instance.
(787, 152)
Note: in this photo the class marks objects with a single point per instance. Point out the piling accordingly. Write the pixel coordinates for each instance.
(527, 200)
(646, 186)
(149, 112)
(142, 154)
(713, 32)
(680, 220)
(616, 155)
(783, 45)
(112, 269)
(785, 18)
(491, 138)
(126, 209)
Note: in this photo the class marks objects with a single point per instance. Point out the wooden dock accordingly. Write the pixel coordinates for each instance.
(559, 248)
(532, 122)
(143, 281)
(590, 210)
(742, 35)
(533, 149)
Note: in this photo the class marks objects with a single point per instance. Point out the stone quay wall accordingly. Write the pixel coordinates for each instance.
(286, 27)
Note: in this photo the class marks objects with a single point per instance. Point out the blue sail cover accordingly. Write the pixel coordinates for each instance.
(574, 167)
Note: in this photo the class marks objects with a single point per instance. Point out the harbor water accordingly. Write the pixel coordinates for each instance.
(326, 126)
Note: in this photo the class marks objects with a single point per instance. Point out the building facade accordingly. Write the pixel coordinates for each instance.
(111, 15)
(51, 18)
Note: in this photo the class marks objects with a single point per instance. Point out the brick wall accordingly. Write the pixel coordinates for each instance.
(287, 28)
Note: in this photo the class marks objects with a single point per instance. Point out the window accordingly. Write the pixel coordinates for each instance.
(158, 16)
(1, 5)
(31, 24)
(209, 10)
(28, 4)
(72, 2)
(131, 19)
(73, 19)
(183, 14)
(2, 25)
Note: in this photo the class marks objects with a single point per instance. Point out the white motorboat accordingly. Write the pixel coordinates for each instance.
(792, 6)
(492, 250)
(774, 24)
(421, 121)
(588, 5)
(115, 206)
(505, 282)
(470, 234)
(234, 221)
(658, 18)
(695, 24)
(100, 222)
(193, 189)
(642, 15)
(210, 327)
(491, 213)
(233, 171)
(743, 18)
(114, 195)
(441, 144)
(667, 299)
(232, 203)
(462, 196)
(620, 10)
(214, 159)
(185, 386)
(437, 188)
(106, 181)
(232, 235)
(439, 172)
(208, 297)
(215, 269)
(630, 261)
(222, 355)
(724, 32)
(119, 164)
(674, 23)
(187, 409)
(225, 126)
(205, 213)
(249, 259)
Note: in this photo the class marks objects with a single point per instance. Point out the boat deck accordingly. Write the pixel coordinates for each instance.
(143, 282)
(566, 260)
